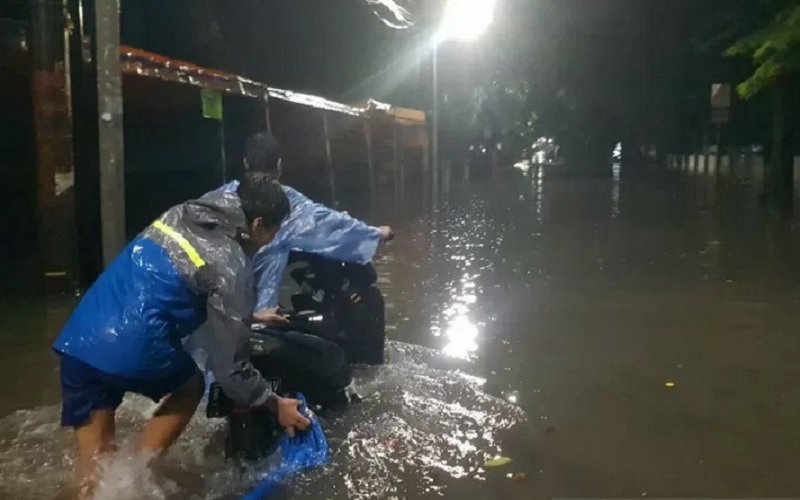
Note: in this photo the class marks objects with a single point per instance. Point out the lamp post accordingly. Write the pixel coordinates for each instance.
(435, 134)
(463, 20)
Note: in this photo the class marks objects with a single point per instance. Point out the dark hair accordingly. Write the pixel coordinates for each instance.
(262, 153)
(261, 196)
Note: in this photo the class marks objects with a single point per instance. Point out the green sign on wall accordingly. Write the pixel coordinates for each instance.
(212, 104)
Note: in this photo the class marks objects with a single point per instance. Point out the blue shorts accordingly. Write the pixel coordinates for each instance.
(85, 388)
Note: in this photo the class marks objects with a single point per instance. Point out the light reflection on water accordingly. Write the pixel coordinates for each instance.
(464, 241)
(462, 336)
(538, 185)
(615, 172)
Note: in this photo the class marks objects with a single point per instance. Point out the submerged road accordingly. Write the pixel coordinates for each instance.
(646, 324)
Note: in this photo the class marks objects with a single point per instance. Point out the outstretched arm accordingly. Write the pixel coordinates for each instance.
(313, 228)
(330, 233)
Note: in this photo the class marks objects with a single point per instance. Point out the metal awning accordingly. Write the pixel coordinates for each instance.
(313, 101)
(135, 61)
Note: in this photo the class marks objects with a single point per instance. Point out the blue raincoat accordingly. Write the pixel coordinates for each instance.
(313, 228)
(187, 268)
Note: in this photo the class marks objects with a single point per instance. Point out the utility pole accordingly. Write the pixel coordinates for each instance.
(110, 137)
(435, 127)
(57, 231)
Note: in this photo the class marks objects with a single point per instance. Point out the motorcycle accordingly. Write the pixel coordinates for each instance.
(337, 320)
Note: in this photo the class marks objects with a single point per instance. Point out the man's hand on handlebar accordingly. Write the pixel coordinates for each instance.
(289, 416)
(386, 233)
(270, 317)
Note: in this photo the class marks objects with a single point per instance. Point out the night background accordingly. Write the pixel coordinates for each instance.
(627, 61)
(595, 271)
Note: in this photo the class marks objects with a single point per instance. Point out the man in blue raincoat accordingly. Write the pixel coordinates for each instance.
(310, 227)
(126, 335)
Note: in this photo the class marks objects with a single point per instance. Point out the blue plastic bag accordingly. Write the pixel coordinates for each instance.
(305, 451)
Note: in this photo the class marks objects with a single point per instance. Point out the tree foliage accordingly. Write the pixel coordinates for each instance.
(774, 49)
(519, 111)
(504, 107)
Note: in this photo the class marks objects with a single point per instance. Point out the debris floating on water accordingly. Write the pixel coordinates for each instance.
(497, 462)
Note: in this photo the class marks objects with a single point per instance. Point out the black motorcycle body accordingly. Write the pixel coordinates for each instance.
(337, 321)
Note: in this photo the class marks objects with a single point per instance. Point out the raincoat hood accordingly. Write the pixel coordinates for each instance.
(217, 210)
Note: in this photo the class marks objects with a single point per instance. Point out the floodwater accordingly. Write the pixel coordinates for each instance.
(626, 335)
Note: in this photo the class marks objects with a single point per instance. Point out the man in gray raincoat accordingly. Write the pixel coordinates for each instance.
(190, 266)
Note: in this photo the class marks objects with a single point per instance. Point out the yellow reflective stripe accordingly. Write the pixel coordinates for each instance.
(183, 242)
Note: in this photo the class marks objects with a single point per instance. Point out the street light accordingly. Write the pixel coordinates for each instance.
(463, 20)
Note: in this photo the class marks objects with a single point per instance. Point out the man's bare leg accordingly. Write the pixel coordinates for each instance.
(95, 439)
(171, 418)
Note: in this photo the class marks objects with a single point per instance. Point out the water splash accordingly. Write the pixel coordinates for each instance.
(421, 425)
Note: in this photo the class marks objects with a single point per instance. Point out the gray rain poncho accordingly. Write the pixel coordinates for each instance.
(186, 268)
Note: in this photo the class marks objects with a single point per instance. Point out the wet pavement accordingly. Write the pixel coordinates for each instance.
(623, 335)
